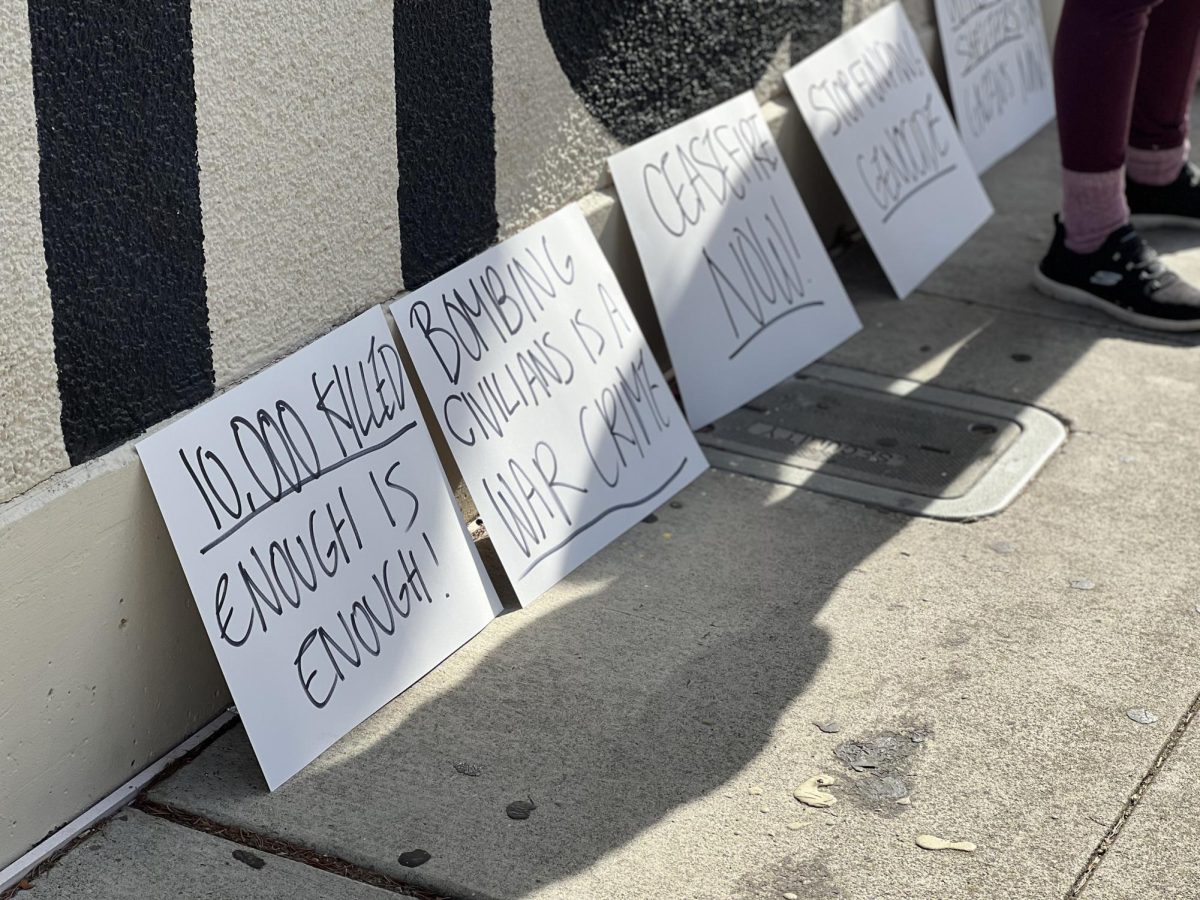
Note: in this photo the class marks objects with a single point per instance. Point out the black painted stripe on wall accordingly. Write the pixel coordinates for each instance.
(116, 116)
(445, 134)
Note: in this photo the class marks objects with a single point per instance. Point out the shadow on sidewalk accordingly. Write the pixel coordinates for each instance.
(651, 678)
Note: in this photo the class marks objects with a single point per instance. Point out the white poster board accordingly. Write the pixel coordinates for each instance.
(553, 406)
(881, 123)
(743, 286)
(1001, 78)
(320, 539)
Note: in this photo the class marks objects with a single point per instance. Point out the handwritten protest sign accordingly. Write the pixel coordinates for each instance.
(881, 123)
(1000, 75)
(321, 541)
(558, 416)
(740, 279)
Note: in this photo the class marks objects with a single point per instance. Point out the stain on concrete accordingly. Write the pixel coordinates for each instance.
(253, 860)
(805, 876)
(882, 768)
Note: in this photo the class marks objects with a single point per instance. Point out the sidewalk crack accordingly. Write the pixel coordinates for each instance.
(284, 849)
(1114, 830)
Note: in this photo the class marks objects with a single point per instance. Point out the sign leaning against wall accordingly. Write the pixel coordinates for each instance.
(325, 551)
(882, 126)
(740, 279)
(553, 406)
(1001, 79)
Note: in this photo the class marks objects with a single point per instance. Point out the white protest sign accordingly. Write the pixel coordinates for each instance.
(558, 416)
(321, 541)
(741, 281)
(1000, 74)
(881, 123)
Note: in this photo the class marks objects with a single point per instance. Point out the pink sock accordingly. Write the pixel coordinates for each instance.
(1093, 207)
(1156, 166)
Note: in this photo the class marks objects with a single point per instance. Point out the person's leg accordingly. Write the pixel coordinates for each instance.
(1096, 257)
(1161, 186)
(1096, 59)
(1158, 137)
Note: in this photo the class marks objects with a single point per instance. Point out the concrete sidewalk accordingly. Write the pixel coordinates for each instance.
(659, 706)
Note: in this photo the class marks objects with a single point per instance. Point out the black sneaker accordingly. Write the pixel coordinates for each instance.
(1124, 278)
(1174, 205)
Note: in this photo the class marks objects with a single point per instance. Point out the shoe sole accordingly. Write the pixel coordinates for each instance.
(1082, 298)
(1148, 221)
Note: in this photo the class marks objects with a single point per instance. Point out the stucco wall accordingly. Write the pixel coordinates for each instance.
(217, 185)
(296, 116)
(337, 152)
(31, 444)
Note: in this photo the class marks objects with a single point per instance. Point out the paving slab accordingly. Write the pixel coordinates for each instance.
(640, 702)
(1097, 378)
(1157, 856)
(135, 855)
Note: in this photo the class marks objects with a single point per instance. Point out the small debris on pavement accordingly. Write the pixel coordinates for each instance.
(667, 535)
(796, 826)
(882, 787)
(756, 791)
(520, 809)
(253, 860)
(904, 801)
(675, 504)
(883, 751)
(1126, 458)
(919, 736)
(1141, 715)
(810, 793)
(791, 895)
(1003, 548)
(469, 769)
(414, 858)
(929, 842)
(1083, 584)
(829, 727)
(1021, 357)
(25, 885)
(650, 519)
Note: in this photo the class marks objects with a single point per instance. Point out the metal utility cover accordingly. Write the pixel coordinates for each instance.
(888, 442)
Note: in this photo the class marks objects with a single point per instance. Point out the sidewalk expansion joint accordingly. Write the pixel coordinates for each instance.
(284, 849)
(1114, 831)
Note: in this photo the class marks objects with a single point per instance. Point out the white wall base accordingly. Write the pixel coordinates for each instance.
(11, 874)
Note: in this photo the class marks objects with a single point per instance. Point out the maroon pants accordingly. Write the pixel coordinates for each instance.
(1124, 73)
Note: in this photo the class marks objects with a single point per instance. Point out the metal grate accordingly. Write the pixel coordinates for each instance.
(889, 442)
